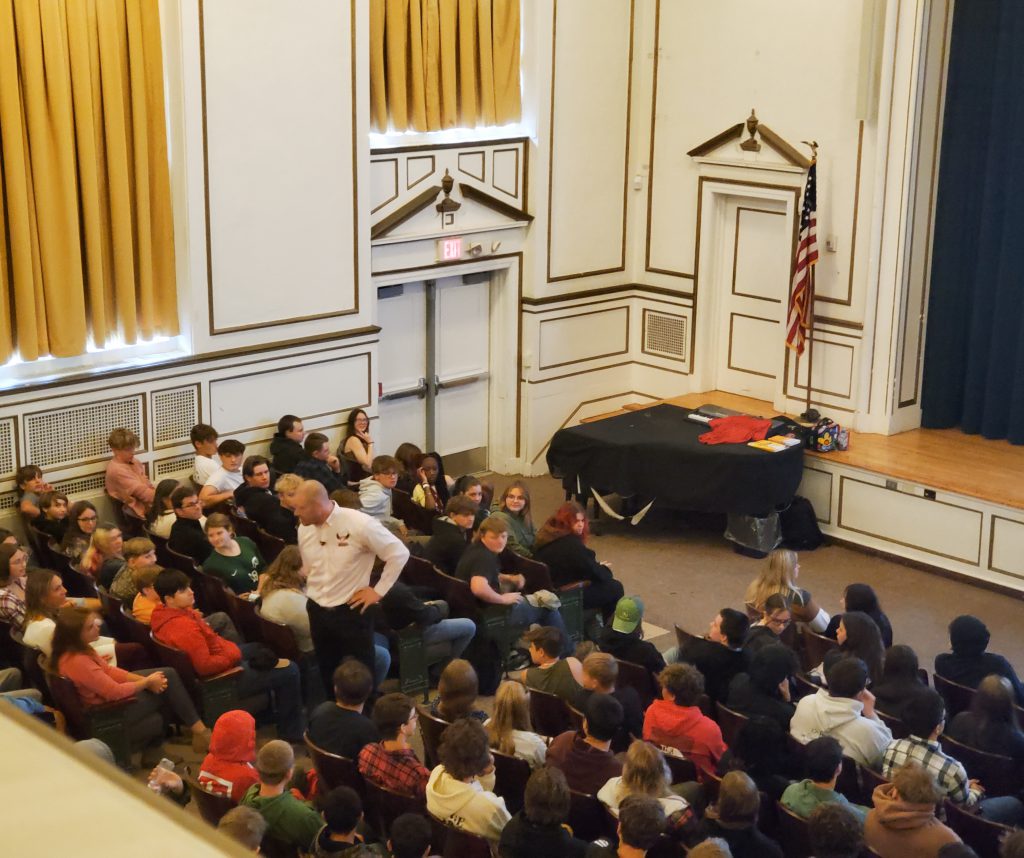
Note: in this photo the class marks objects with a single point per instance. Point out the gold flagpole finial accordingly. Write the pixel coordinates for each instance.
(814, 148)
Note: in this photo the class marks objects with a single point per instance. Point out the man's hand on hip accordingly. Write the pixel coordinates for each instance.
(363, 599)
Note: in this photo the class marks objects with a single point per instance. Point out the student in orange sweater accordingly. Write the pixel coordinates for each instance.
(177, 623)
(676, 721)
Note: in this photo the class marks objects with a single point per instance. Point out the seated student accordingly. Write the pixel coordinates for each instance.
(734, 819)
(82, 523)
(677, 721)
(103, 559)
(258, 503)
(969, 663)
(97, 682)
(289, 820)
(644, 772)
(29, 485)
(160, 517)
(228, 767)
(902, 821)
(356, 445)
(375, 490)
(137, 552)
(775, 619)
(925, 718)
(586, 757)
(443, 637)
(641, 824)
(410, 836)
(126, 479)
(317, 463)
(392, 763)
(410, 457)
(342, 812)
(562, 544)
(204, 441)
(286, 445)
(899, 682)
(339, 725)
(510, 730)
(858, 636)
(559, 676)
(540, 827)
(862, 597)
(460, 791)
(146, 599)
(431, 487)
(470, 487)
(235, 559)
(720, 655)
(624, 638)
(177, 623)
(764, 688)
(845, 710)
(991, 723)
(835, 831)
(54, 518)
(452, 533)
(13, 569)
(513, 507)
(457, 690)
(779, 575)
(481, 568)
(823, 760)
(600, 673)
(245, 826)
(287, 486)
(187, 535)
(759, 749)
(221, 484)
(282, 596)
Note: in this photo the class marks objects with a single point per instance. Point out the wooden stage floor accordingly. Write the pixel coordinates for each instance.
(945, 459)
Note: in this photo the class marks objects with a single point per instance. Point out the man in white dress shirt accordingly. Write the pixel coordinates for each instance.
(338, 548)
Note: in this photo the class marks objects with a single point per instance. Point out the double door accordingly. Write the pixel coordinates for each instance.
(434, 383)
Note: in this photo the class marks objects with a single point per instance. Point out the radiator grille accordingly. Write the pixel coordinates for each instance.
(69, 436)
(175, 412)
(665, 334)
(179, 466)
(7, 461)
(8, 500)
(75, 486)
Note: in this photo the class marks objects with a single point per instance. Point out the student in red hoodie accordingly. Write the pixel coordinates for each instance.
(676, 720)
(177, 623)
(229, 767)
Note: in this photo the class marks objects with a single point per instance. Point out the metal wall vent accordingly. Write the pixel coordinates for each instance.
(7, 445)
(70, 436)
(179, 466)
(76, 486)
(175, 412)
(665, 334)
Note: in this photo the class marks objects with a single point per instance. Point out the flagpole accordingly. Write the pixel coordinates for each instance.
(810, 415)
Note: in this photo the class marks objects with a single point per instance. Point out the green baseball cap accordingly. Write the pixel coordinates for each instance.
(629, 611)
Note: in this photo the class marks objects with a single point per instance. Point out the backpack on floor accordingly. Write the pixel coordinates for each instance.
(800, 531)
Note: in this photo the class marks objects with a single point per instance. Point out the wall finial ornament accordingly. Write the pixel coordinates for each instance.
(759, 133)
(751, 144)
(447, 205)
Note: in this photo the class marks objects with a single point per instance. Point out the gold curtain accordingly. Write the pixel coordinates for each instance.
(438, 64)
(86, 232)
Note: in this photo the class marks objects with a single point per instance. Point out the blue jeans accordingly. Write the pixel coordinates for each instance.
(524, 614)
(285, 686)
(381, 659)
(1002, 808)
(448, 638)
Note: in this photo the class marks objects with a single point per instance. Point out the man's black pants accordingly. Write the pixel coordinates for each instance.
(337, 634)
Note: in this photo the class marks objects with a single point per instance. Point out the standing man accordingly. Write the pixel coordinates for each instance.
(338, 549)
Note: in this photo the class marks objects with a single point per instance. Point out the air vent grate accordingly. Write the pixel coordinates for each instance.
(70, 436)
(665, 334)
(175, 412)
(7, 463)
(76, 486)
(179, 466)
(8, 500)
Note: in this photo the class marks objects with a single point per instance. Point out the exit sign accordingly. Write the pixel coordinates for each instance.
(449, 249)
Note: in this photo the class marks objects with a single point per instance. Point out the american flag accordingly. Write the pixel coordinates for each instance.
(798, 321)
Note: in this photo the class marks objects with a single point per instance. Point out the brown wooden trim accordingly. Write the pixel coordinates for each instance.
(404, 212)
(470, 192)
(608, 301)
(838, 323)
(782, 147)
(670, 369)
(604, 290)
(483, 164)
(433, 169)
(394, 196)
(848, 300)
(786, 387)
(843, 478)
(551, 152)
(199, 410)
(713, 143)
(578, 372)
(830, 478)
(992, 541)
(643, 332)
(206, 167)
(430, 147)
(736, 253)
(16, 449)
(541, 366)
(514, 150)
(193, 360)
(728, 364)
(960, 577)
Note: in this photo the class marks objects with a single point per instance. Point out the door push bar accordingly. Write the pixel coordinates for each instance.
(458, 382)
(419, 391)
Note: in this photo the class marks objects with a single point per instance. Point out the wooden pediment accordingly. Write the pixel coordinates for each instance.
(758, 133)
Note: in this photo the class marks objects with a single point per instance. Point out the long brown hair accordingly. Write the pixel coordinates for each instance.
(67, 636)
(7, 552)
(283, 573)
(37, 587)
(458, 688)
(525, 515)
(511, 712)
(644, 771)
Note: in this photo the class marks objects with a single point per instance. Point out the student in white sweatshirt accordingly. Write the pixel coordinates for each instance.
(845, 711)
(460, 790)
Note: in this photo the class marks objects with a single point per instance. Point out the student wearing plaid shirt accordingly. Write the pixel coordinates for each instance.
(925, 716)
(392, 763)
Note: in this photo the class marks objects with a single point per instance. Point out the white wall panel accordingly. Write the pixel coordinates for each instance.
(1007, 549)
(589, 137)
(279, 144)
(583, 336)
(816, 486)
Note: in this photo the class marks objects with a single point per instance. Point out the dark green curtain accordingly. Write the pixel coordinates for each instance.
(974, 355)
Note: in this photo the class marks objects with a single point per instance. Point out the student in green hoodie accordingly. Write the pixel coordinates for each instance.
(289, 820)
(824, 761)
